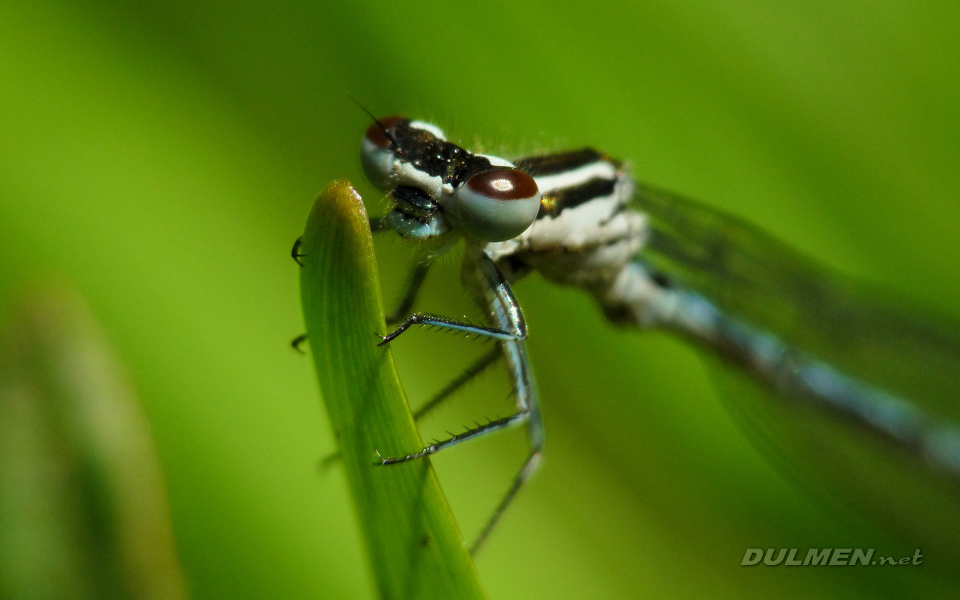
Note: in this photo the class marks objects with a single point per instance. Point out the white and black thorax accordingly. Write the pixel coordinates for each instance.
(561, 214)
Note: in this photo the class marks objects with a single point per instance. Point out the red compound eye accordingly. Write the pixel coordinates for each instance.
(377, 153)
(497, 205)
(377, 133)
(503, 184)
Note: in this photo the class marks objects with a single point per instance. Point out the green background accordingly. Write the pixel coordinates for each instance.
(162, 156)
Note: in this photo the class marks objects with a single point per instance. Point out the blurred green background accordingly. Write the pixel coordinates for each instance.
(162, 156)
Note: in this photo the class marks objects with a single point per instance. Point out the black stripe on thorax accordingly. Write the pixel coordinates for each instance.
(551, 164)
(555, 202)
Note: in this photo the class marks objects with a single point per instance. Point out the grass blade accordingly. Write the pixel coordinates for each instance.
(83, 503)
(411, 537)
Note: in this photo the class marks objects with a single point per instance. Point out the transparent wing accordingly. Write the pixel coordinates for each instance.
(751, 276)
(863, 333)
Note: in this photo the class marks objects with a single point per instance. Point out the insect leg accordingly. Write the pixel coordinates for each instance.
(500, 299)
(475, 369)
(297, 342)
(295, 251)
(511, 330)
(415, 281)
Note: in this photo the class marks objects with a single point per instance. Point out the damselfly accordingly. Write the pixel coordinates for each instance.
(654, 260)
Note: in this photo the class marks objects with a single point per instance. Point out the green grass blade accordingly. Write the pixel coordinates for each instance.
(412, 539)
(83, 503)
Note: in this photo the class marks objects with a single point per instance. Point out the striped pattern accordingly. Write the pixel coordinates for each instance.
(583, 234)
(570, 179)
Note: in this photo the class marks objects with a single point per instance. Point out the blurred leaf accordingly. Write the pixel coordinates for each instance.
(83, 508)
(412, 538)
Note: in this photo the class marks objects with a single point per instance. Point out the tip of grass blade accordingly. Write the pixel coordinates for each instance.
(411, 536)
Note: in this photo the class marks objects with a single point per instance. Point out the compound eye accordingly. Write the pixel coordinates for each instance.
(497, 205)
(377, 152)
